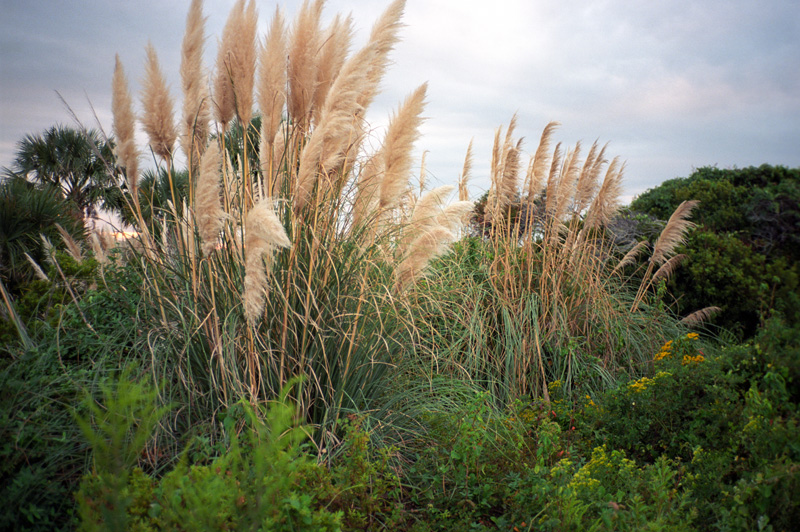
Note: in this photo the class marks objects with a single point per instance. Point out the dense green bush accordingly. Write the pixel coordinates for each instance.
(744, 255)
(728, 417)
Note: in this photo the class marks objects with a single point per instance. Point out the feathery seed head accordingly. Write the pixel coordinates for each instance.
(158, 119)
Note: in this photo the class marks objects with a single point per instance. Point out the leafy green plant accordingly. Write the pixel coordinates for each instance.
(117, 429)
(743, 257)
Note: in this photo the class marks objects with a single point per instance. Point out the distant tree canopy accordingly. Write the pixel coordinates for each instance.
(743, 257)
(80, 163)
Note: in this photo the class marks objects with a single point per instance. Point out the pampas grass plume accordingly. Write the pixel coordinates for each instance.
(674, 232)
(463, 191)
(210, 215)
(196, 113)
(383, 37)
(304, 43)
(124, 127)
(423, 249)
(272, 82)
(401, 134)
(263, 234)
(158, 119)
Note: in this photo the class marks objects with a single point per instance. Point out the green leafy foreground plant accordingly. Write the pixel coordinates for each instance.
(252, 486)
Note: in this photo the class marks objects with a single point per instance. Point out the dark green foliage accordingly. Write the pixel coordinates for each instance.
(744, 255)
(80, 163)
(253, 486)
(727, 416)
(28, 211)
(43, 453)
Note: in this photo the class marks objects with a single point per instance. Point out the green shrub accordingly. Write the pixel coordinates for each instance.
(744, 256)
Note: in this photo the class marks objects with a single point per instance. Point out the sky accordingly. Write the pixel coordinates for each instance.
(671, 85)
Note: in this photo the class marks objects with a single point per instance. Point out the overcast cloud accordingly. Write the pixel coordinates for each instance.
(671, 85)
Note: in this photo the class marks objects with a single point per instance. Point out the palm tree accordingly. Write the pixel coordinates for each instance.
(77, 162)
(29, 211)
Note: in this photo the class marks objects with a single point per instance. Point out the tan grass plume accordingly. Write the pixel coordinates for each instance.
(338, 130)
(210, 215)
(244, 55)
(304, 42)
(158, 118)
(264, 234)
(674, 232)
(539, 165)
(384, 35)
(401, 134)
(699, 316)
(331, 57)
(422, 250)
(666, 269)
(124, 128)
(228, 72)
(368, 185)
(463, 181)
(272, 83)
(606, 203)
(196, 109)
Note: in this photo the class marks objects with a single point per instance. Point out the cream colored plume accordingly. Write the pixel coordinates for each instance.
(196, 109)
(456, 215)
(210, 215)
(264, 234)
(674, 233)
(338, 130)
(401, 134)
(383, 37)
(606, 203)
(331, 57)
(158, 119)
(73, 248)
(233, 83)
(463, 181)
(422, 250)
(304, 43)
(272, 84)
(124, 128)
(426, 212)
